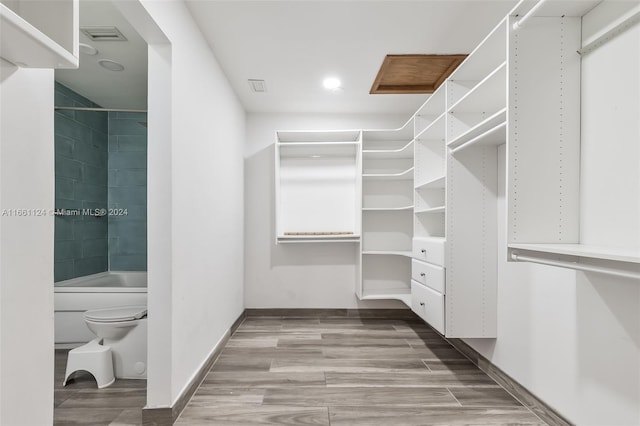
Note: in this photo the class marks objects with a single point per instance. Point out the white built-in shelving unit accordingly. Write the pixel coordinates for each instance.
(583, 211)
(525, 115)
(429, 236)
(318, 183)
(387, 209)
(39, 34)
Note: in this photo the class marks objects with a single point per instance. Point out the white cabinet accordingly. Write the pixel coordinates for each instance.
(318, 186)
(428, 305)
(429, 250)
(39, 34)
(428, 275)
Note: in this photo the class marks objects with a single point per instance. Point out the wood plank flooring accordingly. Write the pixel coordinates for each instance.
(323, 370)
(347, 372)
(82, 403)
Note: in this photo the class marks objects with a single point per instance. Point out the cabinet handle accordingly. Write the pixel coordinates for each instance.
(421, 303)
(422, 274)
(423, 251)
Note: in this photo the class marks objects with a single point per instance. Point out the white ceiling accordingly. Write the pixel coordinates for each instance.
(293, 45)
(109, 89)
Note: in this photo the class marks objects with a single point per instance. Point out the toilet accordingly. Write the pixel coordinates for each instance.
(118, 351)
(124, 330)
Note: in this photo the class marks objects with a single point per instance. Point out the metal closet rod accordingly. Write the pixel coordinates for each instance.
(519, 23)
(99, 109)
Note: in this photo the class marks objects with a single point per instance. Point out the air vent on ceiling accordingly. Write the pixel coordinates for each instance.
(103, 33)
(257, 85)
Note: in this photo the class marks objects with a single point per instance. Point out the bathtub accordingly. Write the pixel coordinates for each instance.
(104, 290)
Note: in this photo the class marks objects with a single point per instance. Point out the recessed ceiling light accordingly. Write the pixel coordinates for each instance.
(332, 83)
(87, 49)
(111, 65)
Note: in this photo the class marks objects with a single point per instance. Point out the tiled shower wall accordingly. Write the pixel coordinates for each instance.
(81, 147)
(100, 164)
(128, 191)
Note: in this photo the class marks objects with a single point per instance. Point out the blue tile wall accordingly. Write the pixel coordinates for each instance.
(127, 183)
(81, 171)
(101, 163)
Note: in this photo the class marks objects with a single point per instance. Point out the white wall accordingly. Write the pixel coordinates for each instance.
(196, 139)
(309, 275)
(573, 338)
(26, 246)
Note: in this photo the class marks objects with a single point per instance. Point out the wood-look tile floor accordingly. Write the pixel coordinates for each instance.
(82, 403)
(347, 372)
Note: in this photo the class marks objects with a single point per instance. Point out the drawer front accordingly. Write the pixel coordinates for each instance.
(428, 274)
(428, 304)
(429, 250)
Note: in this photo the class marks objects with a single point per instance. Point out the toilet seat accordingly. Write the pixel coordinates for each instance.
(121, 314)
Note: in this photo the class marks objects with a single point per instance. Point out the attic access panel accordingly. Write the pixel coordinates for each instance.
(414, 73)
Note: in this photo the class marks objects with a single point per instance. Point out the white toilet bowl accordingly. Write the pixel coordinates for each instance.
(124, 330)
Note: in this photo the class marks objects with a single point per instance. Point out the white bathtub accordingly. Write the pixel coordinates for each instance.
(104, 290)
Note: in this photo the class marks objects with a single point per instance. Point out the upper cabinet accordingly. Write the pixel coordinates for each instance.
(318, 181)
(39, 33)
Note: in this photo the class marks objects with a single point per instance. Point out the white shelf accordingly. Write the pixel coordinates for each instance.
(384, 135)
(492, 137)
(436, 183)
(400, 294)
(387, 253)
(318, 149)
(488, 95)
(321, 136)
(435, 105)
(386, 209)
(403, 175)
(27, 46)
(318, 238)
(439, 240)
(434, 131)
(489, 54)
(384, 151)
(583, 250)
(481, 128)
(439, 209)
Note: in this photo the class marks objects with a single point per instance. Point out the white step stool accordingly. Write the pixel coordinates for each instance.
(93, 358)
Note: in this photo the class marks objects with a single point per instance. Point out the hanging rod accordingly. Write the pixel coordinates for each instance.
(573, 265)
(616, 29)
(520, 22)
(99, 109)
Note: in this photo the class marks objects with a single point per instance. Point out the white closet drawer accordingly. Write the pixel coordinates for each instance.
(428, 274)
(428, 304)
(430, 250)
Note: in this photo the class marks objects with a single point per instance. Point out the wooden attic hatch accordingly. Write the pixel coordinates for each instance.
(414, 73)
